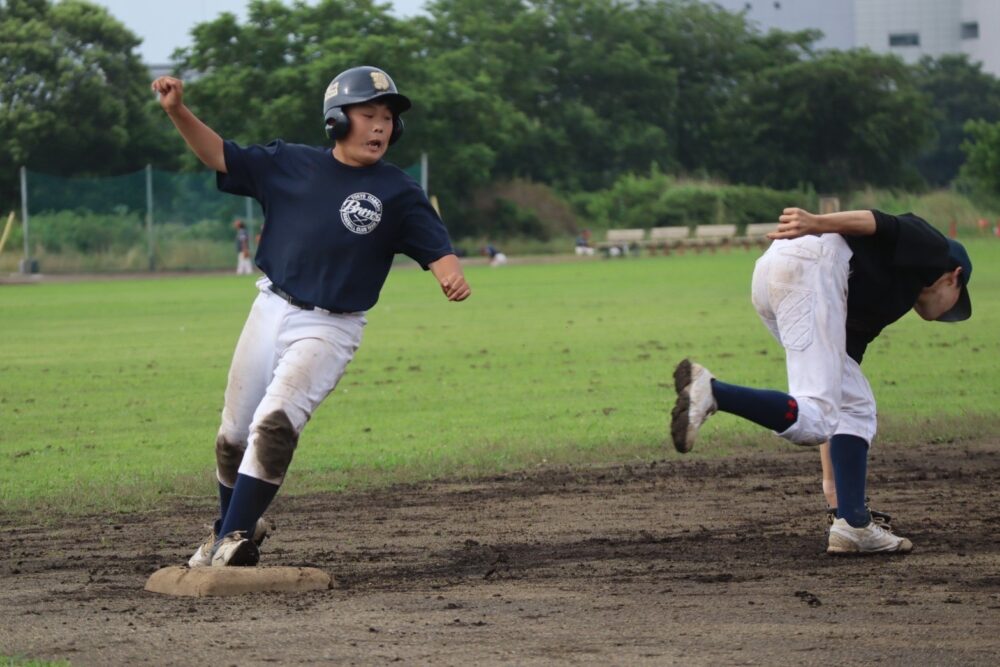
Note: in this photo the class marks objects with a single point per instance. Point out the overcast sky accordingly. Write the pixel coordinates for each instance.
(165, 25)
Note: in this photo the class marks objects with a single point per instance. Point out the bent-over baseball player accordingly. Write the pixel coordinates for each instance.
(334, 219)
(825, 288)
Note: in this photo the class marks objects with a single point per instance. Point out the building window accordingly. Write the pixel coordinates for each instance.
(904, 39)
(970, 30)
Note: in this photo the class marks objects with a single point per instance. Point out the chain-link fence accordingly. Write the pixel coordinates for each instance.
(146, 220)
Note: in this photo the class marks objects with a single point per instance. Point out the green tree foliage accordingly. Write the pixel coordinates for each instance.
(572, 93)
(74, 97)
(85, 232)
(604, 96)
(982, 150)
(265, 78)
(521, 208)
(711, 52)
(960, 91)
(578, 95)
(660, 200)
(836, 120)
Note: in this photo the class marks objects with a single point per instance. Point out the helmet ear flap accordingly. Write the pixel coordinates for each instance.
(397, 129)
(338, 124)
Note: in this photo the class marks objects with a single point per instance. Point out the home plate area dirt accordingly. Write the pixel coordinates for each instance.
(682, 561)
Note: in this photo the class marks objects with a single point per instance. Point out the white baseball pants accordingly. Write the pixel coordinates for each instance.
(799, 290)
(287, 361)
(243, 265)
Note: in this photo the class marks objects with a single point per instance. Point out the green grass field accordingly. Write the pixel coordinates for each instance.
(110, 391)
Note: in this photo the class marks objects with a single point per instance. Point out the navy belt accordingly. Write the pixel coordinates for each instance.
(302, 304)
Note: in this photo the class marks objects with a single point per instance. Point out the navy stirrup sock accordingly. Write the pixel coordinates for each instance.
(849, 455)
(225, 496)
(771, 409)
(251, 496)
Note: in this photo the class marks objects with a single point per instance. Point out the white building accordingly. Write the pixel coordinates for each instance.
(979, 33)
(907, 28)
(834, 17)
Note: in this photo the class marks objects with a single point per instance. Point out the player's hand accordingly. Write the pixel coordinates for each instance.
(796, 222)
(171, 92)
(455, 288)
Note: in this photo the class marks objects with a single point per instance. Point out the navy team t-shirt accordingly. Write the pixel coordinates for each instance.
(330, 230)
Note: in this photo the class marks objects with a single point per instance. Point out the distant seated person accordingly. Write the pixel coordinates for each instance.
(583, 246)
(497, 258)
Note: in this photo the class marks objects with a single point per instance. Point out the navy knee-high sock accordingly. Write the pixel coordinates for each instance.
(849, 455)
(251, 496)
(775, 410)
(225, 496)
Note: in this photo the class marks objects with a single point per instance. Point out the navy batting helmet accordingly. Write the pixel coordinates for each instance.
(356, 86)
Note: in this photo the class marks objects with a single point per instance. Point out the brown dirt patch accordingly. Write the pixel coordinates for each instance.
(682, 561)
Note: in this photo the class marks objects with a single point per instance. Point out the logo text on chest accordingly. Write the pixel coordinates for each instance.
(361, 212)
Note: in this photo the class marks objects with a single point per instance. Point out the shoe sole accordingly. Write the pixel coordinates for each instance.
(262, 531)
(245, 555)
(904, 547)
(679, 421)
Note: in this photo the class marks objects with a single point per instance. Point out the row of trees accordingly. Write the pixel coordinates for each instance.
(573, 94)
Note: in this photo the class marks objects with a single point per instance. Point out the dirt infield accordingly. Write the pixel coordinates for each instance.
(681, 561)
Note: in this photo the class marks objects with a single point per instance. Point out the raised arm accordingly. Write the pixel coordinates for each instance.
(796, 222)
(448, 271)
(202, 139)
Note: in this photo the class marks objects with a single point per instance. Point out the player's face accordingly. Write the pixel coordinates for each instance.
(368, 139)
(939, 298)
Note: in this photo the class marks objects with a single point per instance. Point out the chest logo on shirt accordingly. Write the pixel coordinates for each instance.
(361, 212)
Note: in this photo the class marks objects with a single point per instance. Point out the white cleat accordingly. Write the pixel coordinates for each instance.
(235, 551)
(203, 556)
(873, 538)
(695, 403)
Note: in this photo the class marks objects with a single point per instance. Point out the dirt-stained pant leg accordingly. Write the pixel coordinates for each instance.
(800, 292)
(249, 374)
(858, 414)
(314, 348)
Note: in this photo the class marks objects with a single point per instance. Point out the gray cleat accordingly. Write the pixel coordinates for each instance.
(695, 403)
(873, 538)
(235, 550)
(203, 556)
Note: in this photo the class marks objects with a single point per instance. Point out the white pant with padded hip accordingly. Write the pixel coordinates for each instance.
(800, 292)
(286, 362)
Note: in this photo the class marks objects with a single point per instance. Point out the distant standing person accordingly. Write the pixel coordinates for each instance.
(334, 219)
(243, 265)
(826, 288)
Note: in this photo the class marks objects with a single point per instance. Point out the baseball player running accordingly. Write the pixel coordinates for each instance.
(334, 219)
(826, 287)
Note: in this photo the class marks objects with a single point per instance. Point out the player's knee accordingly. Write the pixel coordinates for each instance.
(228, 455)
(814, 424)
(810, 434)
(274, 445)
(809, 439)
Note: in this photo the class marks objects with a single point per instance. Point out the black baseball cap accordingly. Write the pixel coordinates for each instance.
(962, 310)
